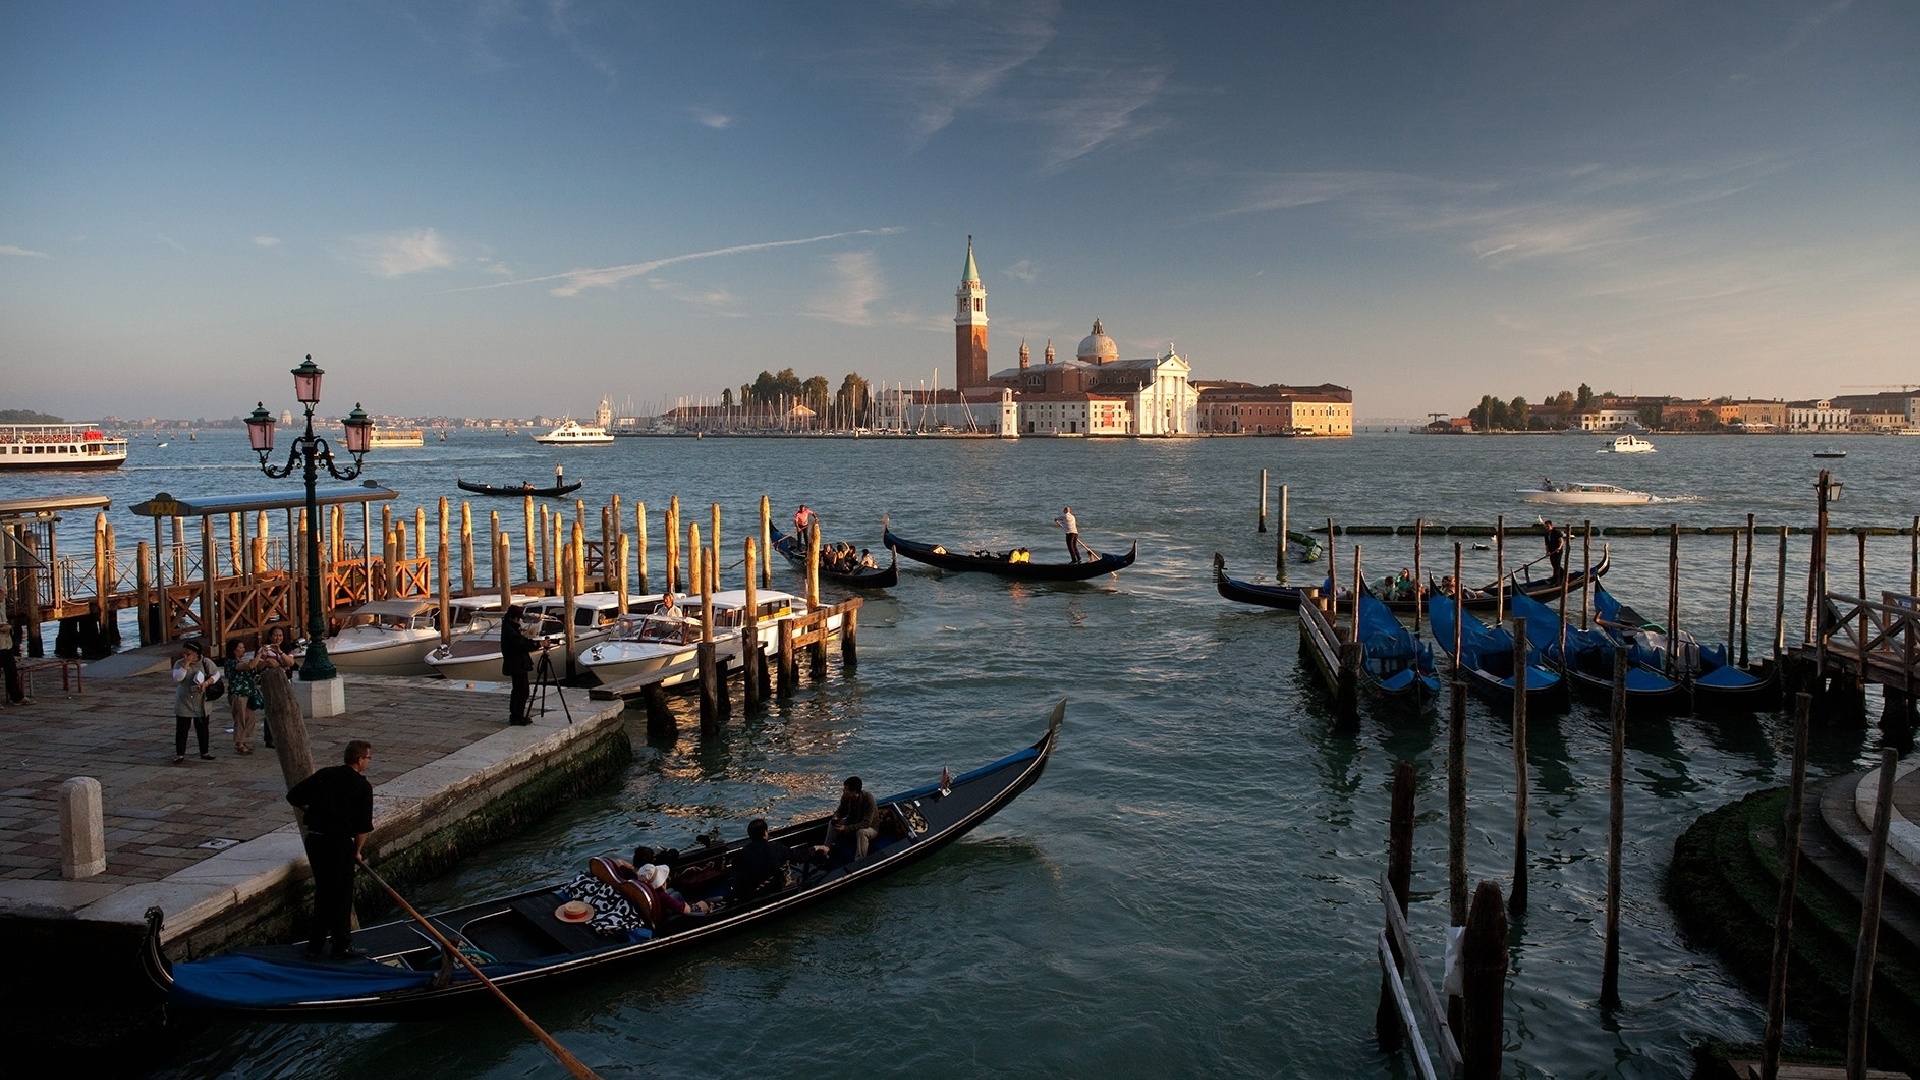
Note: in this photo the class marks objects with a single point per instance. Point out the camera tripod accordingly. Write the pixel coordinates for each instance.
(543, 678)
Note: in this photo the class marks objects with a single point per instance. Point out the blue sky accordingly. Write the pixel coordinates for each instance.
(503, 208)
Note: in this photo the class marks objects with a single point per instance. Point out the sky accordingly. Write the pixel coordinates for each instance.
(504, 208)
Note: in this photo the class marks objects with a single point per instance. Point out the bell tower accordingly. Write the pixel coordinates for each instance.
(970, 327)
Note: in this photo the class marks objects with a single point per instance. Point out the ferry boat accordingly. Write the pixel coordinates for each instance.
(397, 438)
(572, 433)
(59, 446)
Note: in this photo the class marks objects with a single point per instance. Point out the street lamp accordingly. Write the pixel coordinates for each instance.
(311, 451)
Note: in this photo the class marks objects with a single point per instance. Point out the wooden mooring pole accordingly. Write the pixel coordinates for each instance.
(1517, 899)
(1386, 1018)
(1457, 803)
(752, 660)
(1616, 822)
(1263, 504)
(1746, 595)
(1483, 985)
(1280, 549)
(1783, 907)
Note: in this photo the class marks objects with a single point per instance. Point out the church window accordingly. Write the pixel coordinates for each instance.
(979, 304)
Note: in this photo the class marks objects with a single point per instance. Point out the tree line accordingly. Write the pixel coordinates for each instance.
(849, 406)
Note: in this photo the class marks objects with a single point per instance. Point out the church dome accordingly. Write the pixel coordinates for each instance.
(1097, 347)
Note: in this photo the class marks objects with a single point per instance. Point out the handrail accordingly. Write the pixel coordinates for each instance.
(1436, 1013)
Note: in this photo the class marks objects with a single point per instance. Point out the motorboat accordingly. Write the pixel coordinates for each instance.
(1629, 444)
(476, 656)
(1830, 451)
(666, 636)
(574, 433)
(1585, 495)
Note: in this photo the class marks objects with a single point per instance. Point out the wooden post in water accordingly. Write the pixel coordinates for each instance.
(709, 681)
(1484, 985)
(143, 593)
(466, 549)
(446, 592)
(577, 547)
(1517, 899)
(1419, 574)
(714, 549)
(766, 542)
(1333, 574)
(640, 545)
(1386, 1018)
(564, 578)
(1861, 990)
(673, 544)
(1457, 803)
(1500, 569)
(1263, 504)
(849, 651)
(817, 653)
(1459, 609)
(502, 571)
(1746, 596)
(1280, 549)
(1673, 600)
(1862, 536)
(752, 659)
(1616, 817)
(1783, 907)
(533, 568)
(620, 582)
(1733, 597)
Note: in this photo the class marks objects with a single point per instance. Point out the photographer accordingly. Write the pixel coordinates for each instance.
(516, 663)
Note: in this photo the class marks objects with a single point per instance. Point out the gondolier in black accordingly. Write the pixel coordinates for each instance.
(336, 804)
(516, 663)
(1066, 521)
(1556, 547)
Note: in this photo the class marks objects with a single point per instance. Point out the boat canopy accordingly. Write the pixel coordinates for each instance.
(167, 505)
(50, 505)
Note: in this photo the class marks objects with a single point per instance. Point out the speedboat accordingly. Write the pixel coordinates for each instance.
(1830, 452)
(1628, 444)
(387, 637)
(476, 656)
(1585, 495)
(643, 643)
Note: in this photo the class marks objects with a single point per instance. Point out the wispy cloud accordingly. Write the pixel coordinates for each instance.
(267, 241)
(9, 249)
(399, 254)
(1023, 270)
(712, 118)
(578, 281)
(854, 287)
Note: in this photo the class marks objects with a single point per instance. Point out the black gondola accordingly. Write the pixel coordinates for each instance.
(1481, 599)
(521, 940)
(875, 577)
(1718, 684)
(1009, 564)
(516, 491)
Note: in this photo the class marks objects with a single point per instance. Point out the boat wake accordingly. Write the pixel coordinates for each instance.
(1659, 499)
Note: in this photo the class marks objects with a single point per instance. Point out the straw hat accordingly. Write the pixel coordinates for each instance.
(575, 911)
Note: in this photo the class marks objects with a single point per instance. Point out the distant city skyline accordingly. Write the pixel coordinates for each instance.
(516, 209)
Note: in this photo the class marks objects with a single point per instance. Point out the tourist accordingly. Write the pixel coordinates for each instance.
(516, 663)
(336, 805)
(853, 819)
(866, 560)
(237, 670)
(1067, 521)
(192, 672)
(1404, 584)
(10, 663)
(275, 654)
(763, 865)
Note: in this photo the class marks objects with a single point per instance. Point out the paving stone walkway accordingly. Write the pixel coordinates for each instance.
(160, 816)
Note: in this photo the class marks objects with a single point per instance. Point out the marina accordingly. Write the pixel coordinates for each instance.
(1159, 754)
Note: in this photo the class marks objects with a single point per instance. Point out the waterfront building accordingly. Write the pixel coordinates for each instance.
(1816, 416)
(1240, 408)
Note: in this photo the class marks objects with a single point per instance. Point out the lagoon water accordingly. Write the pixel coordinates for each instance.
(1192, 889)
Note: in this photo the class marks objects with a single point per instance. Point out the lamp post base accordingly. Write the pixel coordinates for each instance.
(326, 697)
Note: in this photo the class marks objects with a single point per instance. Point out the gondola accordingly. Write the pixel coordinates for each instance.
(521, 940)
(1396, 665)
(1588, 663)
(1009, 564)
(1481, 599)
(516, 491)
(1486, 656)
(874, 577)
(1718, 684)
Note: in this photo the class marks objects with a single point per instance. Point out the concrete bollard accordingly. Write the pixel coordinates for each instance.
(83, 838)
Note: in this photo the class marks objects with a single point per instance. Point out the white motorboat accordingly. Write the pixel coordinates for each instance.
(1629, 444)
(1585, 495)
(574, 433)
(476, 656)
(393, 637)
(652, 641)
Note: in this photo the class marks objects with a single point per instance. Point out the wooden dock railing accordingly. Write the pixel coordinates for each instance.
(1400, 963)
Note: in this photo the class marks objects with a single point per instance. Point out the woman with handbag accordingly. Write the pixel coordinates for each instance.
(193, 673)
(237, 672)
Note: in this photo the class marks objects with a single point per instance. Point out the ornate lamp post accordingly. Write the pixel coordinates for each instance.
(311, 452)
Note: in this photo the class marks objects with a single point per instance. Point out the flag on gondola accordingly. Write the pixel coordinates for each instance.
(946, 781)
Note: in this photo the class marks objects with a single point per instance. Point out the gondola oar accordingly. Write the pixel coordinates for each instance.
(574, 1065)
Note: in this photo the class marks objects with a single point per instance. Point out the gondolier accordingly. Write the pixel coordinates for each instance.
(336, 804)
(1556, 547)
(1067, 521)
